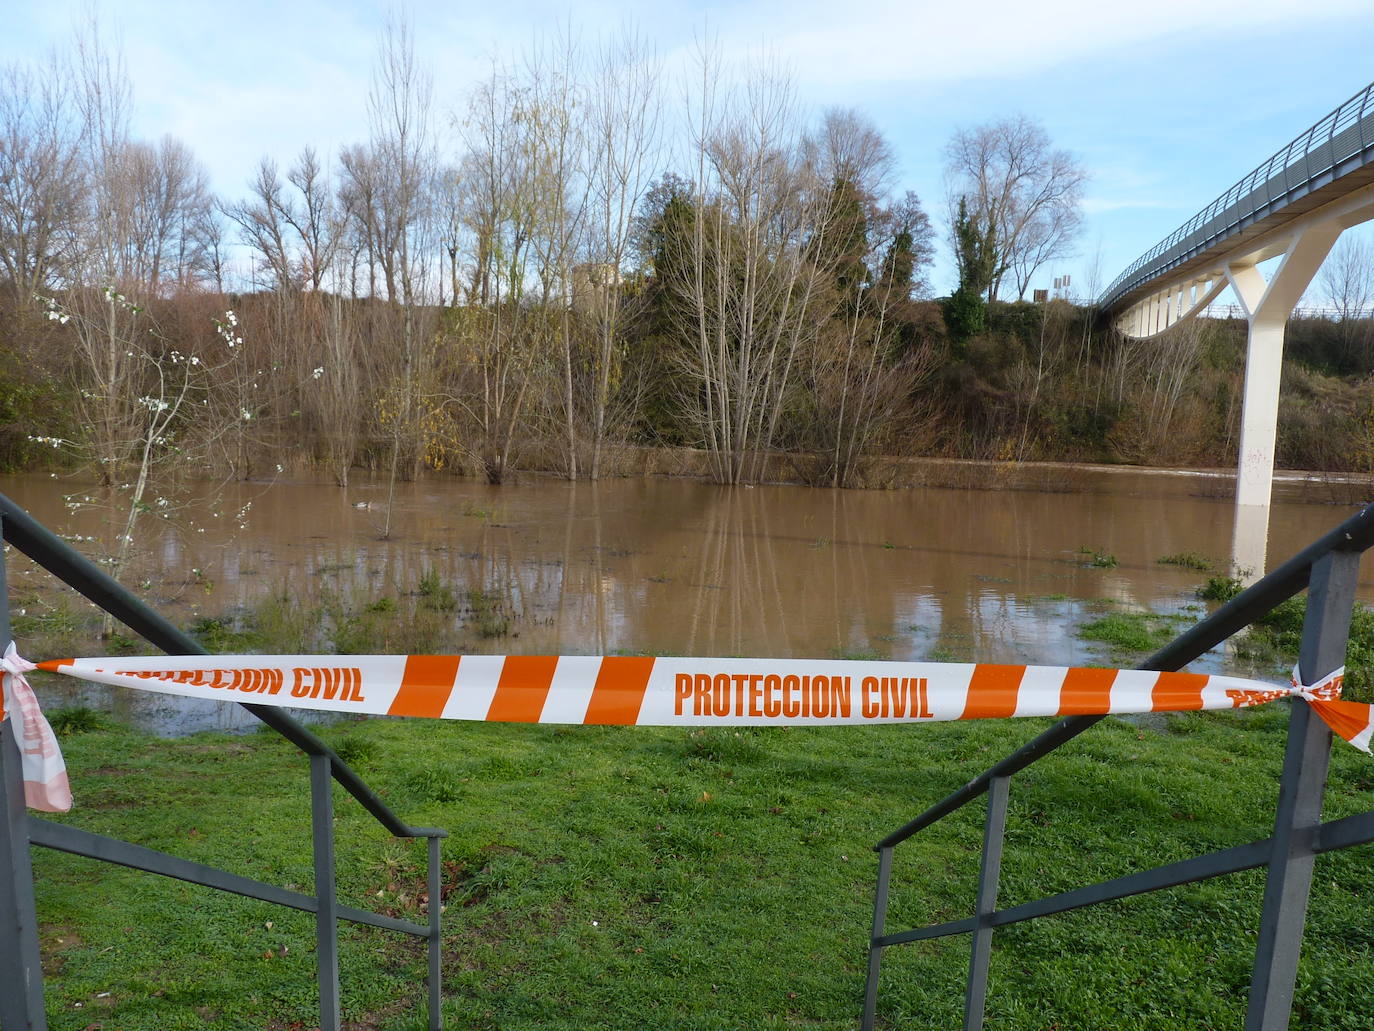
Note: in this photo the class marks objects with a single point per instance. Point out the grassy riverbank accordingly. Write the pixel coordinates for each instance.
(631, 878)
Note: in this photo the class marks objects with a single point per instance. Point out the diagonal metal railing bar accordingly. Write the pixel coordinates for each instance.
(77, 571)
(1357, 830)
(19, 961)
(63, 838)
(1338, 145)
(1329, 569)
(1338, 834)
(1288, 579)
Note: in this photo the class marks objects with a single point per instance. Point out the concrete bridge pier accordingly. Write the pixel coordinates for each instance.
(1267, 306)
(1249, 542)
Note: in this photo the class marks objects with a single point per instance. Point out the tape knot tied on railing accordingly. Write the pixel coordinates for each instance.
(1349, 720)
(46, 787)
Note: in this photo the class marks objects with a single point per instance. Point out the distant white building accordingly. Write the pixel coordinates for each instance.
(591, 282)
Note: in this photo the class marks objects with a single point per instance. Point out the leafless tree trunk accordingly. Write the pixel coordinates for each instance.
(557, 142)
(399, 107)
(623, 129)
(504, 338)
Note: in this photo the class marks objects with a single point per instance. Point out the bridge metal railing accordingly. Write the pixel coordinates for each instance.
(1338, 144)
(1329, 569)
(1309, 312)
(21, 977)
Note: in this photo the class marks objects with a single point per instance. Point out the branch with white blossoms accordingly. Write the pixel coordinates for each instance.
(228, 329)
(54, 311)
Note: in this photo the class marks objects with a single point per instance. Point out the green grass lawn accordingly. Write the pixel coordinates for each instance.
(638, 878)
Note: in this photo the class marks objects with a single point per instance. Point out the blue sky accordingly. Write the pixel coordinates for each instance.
(1165, 103)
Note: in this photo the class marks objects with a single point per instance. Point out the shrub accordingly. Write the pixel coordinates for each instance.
(1220, 588)
(76, 720)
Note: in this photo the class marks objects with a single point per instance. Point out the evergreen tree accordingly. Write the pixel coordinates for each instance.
(975, 251)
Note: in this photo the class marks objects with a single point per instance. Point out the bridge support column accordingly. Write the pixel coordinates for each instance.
(1267, 308)
(1259, 415)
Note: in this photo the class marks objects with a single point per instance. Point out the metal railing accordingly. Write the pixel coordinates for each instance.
(1329, 569)
(1337, 145)
(1310, 313)
(21, 977)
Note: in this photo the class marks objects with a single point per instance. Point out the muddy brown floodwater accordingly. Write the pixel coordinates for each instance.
(667, 566)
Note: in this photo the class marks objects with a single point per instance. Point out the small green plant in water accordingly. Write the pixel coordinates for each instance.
(76, 720)
(1129, 631)
(487, 615)
(1099, 559)
(855, 654)
(435, 594)
(1187, 560)
(54, 628)
(222, 635)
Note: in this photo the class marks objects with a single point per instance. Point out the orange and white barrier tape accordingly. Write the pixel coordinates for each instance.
(695, 691)
(45, 774)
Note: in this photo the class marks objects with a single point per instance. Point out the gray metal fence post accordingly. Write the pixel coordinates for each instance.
(1330, 600)
(993, 836)
(875, 951)
(436, 893)
(21, 971)
(327, 916)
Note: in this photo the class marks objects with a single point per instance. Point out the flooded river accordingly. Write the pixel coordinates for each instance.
(668, 566)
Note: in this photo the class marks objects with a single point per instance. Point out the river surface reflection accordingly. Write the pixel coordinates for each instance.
(681, 567)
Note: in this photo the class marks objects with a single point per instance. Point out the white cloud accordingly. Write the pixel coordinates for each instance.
(933, 40)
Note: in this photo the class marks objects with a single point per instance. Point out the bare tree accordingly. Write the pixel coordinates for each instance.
(745, 288)
(503, 341)
(552, 114)
(625, 108)
(42, 185)
(166, 197)
(1019, 189)
(262, 226)
(208, 231)
(1150, 379)
(314, 219)
(770, 271)
(108, 372)
(1347, 280)
(399, 106)
(861, 374)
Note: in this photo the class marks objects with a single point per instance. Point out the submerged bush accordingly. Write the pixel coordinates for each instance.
(1220, 588)
(1129, 631)
(1187, 560)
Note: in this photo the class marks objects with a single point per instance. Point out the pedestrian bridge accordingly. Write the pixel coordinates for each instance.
(1292, 207)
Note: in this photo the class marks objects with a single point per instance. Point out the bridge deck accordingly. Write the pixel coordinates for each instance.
(1331, 159)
